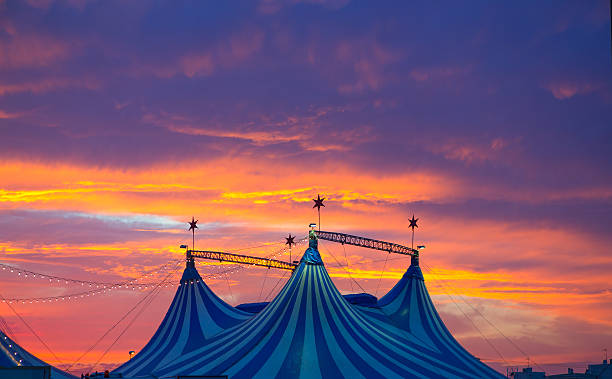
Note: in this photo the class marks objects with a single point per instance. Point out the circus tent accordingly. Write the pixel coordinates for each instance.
(194, 316)
(13, 355)
(311, 330)
(409, 306)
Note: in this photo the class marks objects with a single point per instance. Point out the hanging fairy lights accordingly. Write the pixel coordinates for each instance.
(54, 279)
(73, 296)
(133, 284)
(11, 348)
(106, 289)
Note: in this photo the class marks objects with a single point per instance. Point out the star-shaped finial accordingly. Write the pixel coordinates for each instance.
(318, 202)
(413, 222)
(193, 224)
(290, 240)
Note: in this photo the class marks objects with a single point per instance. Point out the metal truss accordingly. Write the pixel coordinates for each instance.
(328, 236)
(367, 242)
(243, 259)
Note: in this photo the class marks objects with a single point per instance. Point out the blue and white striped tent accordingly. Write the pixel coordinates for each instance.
(13, 355)
(194, 316)
(310, 331)
(408, 306)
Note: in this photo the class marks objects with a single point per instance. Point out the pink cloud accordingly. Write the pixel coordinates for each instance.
(470, 151)
(265, 130)
(562, 90)
(229, 53)
(243, 45)
(25, 51)
(424, 74)
(197, 65)
(40, 4)
(50, 84)
(273, 6)
(368, 60)
(8, 115)
(46, 4)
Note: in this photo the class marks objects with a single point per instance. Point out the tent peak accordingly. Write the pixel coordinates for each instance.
(311, 255)
(190, 272)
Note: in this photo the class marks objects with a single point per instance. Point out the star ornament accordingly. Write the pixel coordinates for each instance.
(193, 224)
(413, 222)
(318, 202)
(290, 240)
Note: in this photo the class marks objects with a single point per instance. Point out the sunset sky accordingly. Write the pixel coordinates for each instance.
(490, 121)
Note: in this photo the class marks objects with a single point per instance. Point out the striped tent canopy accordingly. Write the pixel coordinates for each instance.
(310, 330)
(194, 316)
(409, 306)
(13, 355)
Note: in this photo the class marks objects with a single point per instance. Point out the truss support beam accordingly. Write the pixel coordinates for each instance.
(242, 259)
(367, 243)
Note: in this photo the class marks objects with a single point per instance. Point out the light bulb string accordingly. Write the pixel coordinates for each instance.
(108, 286)
(65, 280)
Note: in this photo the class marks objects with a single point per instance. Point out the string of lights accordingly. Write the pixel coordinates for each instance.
(107, 287)
(78, 295)
(101, 287)
(64, 280)
(84, 294)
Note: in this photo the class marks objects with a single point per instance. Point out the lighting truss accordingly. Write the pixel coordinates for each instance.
(243, 259)
(367, 243)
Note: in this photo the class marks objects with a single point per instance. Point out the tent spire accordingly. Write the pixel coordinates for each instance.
(192, 227)
(413, 224)
(318, 204)
(290, 241)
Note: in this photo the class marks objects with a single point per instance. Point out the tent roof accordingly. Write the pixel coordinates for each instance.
(310, 330)
(195, 315)
(13, 355)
